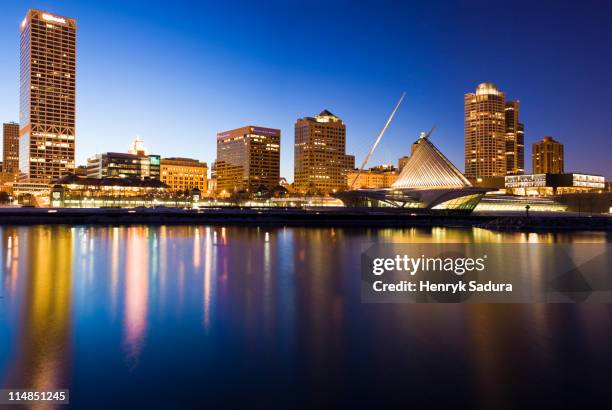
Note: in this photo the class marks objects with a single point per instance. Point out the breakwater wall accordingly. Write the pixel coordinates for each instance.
(345, 217)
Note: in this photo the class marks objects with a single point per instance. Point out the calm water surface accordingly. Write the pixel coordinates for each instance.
(172, 317)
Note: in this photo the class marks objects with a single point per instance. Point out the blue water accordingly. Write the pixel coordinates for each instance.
(186, 317)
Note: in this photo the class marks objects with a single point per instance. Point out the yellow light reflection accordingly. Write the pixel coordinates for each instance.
(136, 292)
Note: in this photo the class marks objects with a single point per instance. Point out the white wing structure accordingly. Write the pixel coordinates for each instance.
(428, 168)
(429, 183)
(380, 135)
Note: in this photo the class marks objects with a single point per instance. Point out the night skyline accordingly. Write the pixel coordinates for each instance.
(178, 76)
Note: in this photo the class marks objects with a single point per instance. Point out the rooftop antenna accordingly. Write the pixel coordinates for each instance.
(382, 132)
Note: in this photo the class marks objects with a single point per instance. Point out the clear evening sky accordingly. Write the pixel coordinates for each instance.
(178, 72)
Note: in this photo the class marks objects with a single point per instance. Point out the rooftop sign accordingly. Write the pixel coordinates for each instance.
(55, 19)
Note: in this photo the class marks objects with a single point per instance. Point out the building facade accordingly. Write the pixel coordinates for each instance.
(515, 140)
(547, 156)
(184, 174)
(485, 132)
(72, 191)
(382, 176)
(321, 164)
(248, 160)
(47, 96)
(10, 146)
(554, 184)
(122, 165)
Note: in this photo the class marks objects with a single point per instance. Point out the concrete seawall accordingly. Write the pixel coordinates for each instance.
(346, 217)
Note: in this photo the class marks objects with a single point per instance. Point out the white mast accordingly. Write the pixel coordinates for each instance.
(367, 158)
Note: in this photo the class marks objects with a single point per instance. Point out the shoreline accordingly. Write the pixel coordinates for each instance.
(317, 217)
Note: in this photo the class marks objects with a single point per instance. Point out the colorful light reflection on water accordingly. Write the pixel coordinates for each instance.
(164, 316)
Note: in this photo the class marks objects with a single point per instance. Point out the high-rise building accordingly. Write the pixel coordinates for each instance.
(321, 164)
(248, 160)
(515, 140)
(47, 96)
(547, 157)
(10, 145)
(184, 174)
(485, 132)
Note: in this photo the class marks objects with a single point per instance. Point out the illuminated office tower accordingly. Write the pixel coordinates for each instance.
(10, 146)
(547, 157)
(515, 140)
(248, 160)
(321, 164)
(47, 96)
(485, 132)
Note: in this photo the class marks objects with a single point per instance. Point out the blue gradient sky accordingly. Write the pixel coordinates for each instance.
(178, 72)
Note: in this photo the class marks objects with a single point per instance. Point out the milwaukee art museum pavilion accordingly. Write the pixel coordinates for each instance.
(428, 183)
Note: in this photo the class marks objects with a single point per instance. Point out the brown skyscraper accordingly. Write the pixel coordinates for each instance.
(10, 146)
(321, 163)
(248, 159)
(47, 96)
(485, 132)
(515, 140)
(547, 157)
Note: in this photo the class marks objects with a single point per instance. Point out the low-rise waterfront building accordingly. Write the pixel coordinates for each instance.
(382, 176)
(123, 165)
(587, 202)
(184, 174)
(72, 191)
(553, 184)
(31, 193)
(509, 203)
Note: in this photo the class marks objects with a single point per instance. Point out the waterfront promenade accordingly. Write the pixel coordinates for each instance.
(357, 217)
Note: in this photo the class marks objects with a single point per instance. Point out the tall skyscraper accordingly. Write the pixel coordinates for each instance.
(515, 140)
(47, 96)
(547, 156)
(248, 159)
(321, 163)
(10, 146)
(485, 132)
